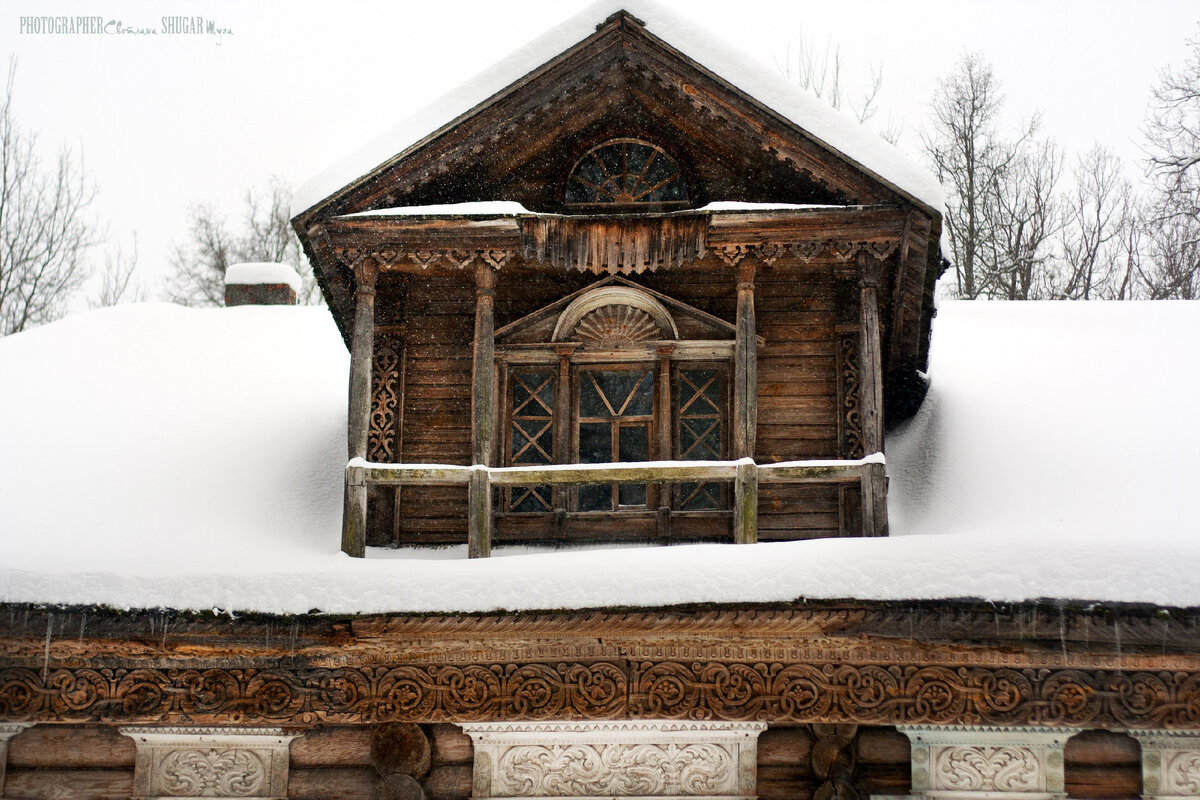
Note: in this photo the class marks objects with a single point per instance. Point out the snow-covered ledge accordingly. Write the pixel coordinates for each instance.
(632, 759)
(210, 762)
(1170, 764)
(7, 731)
(997, 763)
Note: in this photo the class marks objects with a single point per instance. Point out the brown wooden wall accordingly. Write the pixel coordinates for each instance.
(797, 311)
(71, 762)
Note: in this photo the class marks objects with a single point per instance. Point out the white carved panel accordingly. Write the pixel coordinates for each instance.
(210, 762)
(7, 731)
(615, 759)
(1170, 764)
(959, 763)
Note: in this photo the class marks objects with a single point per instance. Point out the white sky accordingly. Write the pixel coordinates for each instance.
(163, 121)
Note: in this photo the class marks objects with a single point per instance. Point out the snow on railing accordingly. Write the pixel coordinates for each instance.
(745, 474)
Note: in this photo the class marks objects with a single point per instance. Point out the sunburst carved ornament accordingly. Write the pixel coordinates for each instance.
(614, 317)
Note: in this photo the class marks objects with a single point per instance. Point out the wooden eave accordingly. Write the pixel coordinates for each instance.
(872, 663)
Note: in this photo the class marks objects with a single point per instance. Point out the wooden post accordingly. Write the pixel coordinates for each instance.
(874, 500)
(745, 375)
(479, 503)
(354, 509)
(562, 436)
(663, 443)
(745, 503)
(483, 390)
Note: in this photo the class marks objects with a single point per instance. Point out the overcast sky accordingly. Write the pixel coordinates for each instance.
(164, 121)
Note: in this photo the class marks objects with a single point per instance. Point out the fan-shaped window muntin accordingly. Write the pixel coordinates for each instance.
(626, 172)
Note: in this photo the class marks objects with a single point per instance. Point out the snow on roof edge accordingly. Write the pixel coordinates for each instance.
(833, 127)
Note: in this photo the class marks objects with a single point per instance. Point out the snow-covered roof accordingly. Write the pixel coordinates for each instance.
(837, 129)
(262, 272)
(160, 456)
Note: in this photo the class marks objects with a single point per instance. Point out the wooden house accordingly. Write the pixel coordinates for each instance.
(623, 258)
(619, 297)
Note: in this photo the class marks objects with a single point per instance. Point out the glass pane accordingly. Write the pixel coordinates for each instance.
(531, 499)
(632, 494)
(595, 442)
(699, 496)
(591, 403)
(595, 497)
(633, 443)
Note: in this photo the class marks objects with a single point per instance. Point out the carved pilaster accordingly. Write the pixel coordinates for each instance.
(608, 759)
(210, 762)
(387, 376)
(849, 393)
(1170, 764)
(959, 763)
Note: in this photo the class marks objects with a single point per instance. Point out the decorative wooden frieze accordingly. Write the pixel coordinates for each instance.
(1170, 764)
(632, 758)
(998, 763)
(814, 684)
(210, 762)
(617, 245)
(387, 370)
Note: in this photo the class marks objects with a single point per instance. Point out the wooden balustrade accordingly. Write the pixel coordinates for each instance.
(744, 473)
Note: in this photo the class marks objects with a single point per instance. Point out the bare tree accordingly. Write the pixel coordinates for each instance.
(819, 70)
(264, 233)
(975, 165)
(1173, 146)
(1099, 213)
(45, 226)
(1029, 217)
(118, 282)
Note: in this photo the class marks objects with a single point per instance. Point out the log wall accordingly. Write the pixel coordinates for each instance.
(795, 762)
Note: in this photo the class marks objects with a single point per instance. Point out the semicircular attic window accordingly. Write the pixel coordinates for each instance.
(626, 172)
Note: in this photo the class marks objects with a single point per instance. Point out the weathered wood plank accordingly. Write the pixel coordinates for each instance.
(67, 784)
(71, 747)
(344, 783)
(341, 746)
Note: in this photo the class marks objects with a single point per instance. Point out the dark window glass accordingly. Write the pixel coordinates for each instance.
(626, 171)
(700, 421)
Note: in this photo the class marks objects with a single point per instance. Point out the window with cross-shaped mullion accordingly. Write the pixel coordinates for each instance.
(531, 436)
(615, 423)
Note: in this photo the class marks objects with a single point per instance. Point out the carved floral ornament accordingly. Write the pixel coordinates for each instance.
(1170, 764)
(1000, 763)
(210, 762)
(399, 257)
(614, 759)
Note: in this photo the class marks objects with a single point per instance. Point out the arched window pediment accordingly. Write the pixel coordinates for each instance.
(612, 317)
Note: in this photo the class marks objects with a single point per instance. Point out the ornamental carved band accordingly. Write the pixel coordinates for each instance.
(880, 694)
(614, 759)
(849, 395)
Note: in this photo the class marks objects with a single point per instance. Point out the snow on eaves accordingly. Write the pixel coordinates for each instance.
(837, 129)
(160, 456)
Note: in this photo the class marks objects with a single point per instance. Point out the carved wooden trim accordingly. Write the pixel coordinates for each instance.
(849, 395)
(814, 691)
(1170, 764)
(994, 762)
(210, 762)
(386, 382)
(629, 758)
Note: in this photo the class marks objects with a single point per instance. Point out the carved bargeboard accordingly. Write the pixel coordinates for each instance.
(615, 759)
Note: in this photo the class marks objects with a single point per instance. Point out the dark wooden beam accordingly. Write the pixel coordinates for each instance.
(483, 422)
(870, 370)
(354, 511)
(745, 374)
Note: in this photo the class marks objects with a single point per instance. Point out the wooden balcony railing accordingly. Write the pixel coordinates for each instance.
(745, 474)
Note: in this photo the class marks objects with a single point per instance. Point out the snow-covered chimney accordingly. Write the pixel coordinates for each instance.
(261, 284)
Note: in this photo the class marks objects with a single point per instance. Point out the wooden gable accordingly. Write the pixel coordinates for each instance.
(620, 82)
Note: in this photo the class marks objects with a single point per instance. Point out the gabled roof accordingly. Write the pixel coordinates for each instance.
(790, 121)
